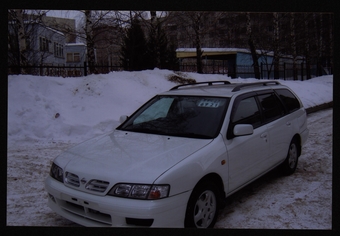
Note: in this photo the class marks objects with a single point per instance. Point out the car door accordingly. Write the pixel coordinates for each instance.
(279, 127)
(247, 155)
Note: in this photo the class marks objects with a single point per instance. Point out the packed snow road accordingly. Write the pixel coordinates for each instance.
(300, 201)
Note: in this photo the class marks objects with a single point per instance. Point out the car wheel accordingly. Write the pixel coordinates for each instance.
(290, 163)
(203, 206)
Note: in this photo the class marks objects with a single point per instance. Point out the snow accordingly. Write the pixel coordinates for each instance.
(47, 115)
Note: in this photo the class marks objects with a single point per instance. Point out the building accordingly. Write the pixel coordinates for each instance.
(44, 45)
(64, 25)
(75, 57)
(235, 62)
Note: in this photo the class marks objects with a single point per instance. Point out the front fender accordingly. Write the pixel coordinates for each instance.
(184, 176)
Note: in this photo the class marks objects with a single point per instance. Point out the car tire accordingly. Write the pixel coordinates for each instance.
(203, 205)
(291, 161)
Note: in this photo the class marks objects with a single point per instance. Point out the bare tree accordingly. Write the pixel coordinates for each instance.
(307, 45)
(18, 21)
(252, 47)
(90, 41)
(195, 19)
(330, 40)
(276, 59)
(293, 45)
(192, 22)
(318, 39)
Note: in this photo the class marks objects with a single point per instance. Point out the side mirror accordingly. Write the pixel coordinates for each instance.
(123, 118)
(243, 129)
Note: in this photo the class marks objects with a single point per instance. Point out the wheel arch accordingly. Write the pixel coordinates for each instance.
(297, 137)
(217, 180)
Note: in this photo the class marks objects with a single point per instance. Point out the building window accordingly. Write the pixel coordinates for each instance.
(73, 57)
(58, 50)
(43, 44)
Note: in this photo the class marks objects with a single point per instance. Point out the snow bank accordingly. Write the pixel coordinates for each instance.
(50, 109)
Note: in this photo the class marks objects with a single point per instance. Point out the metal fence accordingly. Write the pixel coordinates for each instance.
(61, 70)
(286, 70)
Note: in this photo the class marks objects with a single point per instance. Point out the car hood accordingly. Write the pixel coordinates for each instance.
(127, 156)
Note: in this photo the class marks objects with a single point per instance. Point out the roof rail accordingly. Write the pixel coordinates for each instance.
(207, 82)
(238, 87)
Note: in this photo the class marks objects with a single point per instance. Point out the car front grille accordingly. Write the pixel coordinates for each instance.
(97, 185)
(94, 185)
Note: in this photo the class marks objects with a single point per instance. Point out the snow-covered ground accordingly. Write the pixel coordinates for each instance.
(46, 115)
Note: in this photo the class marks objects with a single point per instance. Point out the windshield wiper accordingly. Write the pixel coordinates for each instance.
(191, 135)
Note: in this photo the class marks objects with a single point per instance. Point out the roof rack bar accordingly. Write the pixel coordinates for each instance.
(238, 87)
(207, 82)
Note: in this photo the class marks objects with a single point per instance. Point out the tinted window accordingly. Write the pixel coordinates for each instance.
(247, 112)
(271, 106)
(288, 98)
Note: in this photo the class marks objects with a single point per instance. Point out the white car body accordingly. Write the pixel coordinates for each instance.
(158, 159)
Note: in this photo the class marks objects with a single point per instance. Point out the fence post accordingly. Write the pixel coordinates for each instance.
(85, 69)
(301, 71)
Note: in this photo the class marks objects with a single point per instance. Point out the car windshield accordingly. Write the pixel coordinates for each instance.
(195, 117)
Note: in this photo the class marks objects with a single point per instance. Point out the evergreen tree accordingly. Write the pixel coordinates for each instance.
(133, 50)
(157, 47)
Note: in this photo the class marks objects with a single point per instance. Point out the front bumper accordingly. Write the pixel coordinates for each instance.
(106, 211)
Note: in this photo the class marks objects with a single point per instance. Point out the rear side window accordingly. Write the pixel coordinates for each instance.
(288, 98)
(272, 108)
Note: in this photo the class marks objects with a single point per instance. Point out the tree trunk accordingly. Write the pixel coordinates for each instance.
(252, 48)
(307, 53)
(198, 44)
(331, 43)
(155, 30)
(90, 42)
(276, 59)
(199, 53)
(21, 39)
(293, 46)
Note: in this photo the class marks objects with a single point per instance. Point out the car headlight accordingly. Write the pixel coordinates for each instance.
(57, 173)
(140, 191)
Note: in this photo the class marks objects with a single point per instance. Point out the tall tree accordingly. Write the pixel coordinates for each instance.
(307, 45)
(318, 39)
(276, 59)
(193, 21)
(293, 45)
(133, 49)
(196, 26)
(17, 17)
(90, 41)
(252, 48)
(157, 43)
(330, 41)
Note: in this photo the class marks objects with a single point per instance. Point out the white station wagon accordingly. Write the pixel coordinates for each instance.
(173, 162)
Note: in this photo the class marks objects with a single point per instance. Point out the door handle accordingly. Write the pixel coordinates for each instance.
(263, 135)
(288, 123)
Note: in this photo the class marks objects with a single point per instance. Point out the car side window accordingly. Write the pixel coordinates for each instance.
(272, 108)
(247, 112)
(288, 98)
